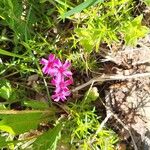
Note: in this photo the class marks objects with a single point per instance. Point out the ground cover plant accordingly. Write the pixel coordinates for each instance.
(57, 62)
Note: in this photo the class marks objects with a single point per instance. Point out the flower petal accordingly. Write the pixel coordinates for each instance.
(58, 71)
(67, 93)
(58, 63)
(69, 82)
(67, 64)
(45, 69)
(58, 89)
(52, 71)
(67, 73)
(43, 61)
(51, 57)
(59, 77)
(55, 99)
(53, 82)
(63, 98)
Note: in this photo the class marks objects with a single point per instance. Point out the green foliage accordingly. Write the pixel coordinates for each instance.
(106, 139)
(49, 139)
(5, 89)
(30, 30)
(4, 52)
(83, 125)
(17, 123)
(2, 141)
(81, 7)
(9, 93)
(105, 23)
(3, 107)
(20, 123)
(91, 95)
(147, 2)
(12, 15)
(86, 63)
(133, 30)
(37, 105)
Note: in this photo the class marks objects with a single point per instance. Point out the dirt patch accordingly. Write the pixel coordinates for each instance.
(130, 98)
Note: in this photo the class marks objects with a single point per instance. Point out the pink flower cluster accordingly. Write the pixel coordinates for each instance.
(61, 76)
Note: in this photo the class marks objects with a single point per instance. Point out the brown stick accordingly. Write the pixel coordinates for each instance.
(104, 78)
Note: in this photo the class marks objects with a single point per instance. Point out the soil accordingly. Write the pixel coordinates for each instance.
(130, 99)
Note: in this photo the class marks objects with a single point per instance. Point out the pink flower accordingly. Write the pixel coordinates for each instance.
(62, 85)
(61, 95)
(61, 76)
(49, 65)
(62, 69)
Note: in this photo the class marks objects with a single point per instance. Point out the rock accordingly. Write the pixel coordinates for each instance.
(130, 99)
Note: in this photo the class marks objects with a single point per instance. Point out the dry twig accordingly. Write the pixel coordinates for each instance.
(104, 78)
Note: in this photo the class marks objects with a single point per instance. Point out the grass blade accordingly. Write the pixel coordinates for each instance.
(80, 7)
(4, 52)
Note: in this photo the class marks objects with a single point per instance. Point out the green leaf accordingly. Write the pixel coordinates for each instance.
(80, 7)
(49, 139)
(5, 89)
(5, 143)
(4, 52)
(20, 123)
(7, 92)
(2, 142)
(133, 30)
(86, 39)
(11, 12)
(36, 104)
(147, 2)
(3, 107)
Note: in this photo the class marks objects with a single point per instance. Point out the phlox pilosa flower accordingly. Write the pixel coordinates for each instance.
(62, 69)
(61, 85)
(61, 95)
(61, 76)
(49, 65)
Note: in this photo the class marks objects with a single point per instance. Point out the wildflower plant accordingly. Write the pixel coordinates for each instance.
(108, 23)
(61, 76)
(29, 30)
(83, 124)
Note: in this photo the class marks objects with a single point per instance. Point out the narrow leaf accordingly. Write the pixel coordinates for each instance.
(2, 142)
(36, 104)
(49, 139)
(81, 7)
(4, 52)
